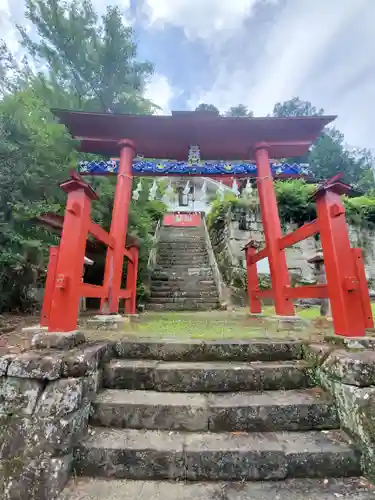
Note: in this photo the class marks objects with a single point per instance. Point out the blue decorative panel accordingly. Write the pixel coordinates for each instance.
(151, 167)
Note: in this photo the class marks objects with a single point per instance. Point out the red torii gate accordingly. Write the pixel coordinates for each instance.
(227, 138)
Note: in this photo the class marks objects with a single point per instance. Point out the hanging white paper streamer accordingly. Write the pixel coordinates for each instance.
(153, 191)
(203, 196)
(221, 191)
(187, 188)
(137, 191)
(235, 189)
(169, 193)
(248, 189)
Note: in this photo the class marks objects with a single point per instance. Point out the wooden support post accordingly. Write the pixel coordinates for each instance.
(272, 232)
(69, 271)
(131, 282)
(49, 286)
(252, 281)
(342, 278)
(119, 225)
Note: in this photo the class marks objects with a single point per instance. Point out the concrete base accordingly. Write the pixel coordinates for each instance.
(57, 340)
(110, 321)
(351, 342)
(35, 329)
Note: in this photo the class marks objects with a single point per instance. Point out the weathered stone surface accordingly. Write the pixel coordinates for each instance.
(132, 454)
(58, 340)
(92, 383)
(301, 489)
(353, 368)
(271, 411)
(320, 454)
(60, 398)
(356, 408)
(18, 396)
(167, 350)
(39, 365)
(87, 358)
(137, 454)
(37, 479)
(150, 410)
(129, 374)
(5, 360)
(230, 376)
(234, 457)
(317, 353)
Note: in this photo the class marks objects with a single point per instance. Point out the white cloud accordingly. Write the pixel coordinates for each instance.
(160, 92)
(201, 18)
(319, 50)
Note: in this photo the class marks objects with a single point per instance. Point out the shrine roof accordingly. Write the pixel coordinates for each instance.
(227, 138)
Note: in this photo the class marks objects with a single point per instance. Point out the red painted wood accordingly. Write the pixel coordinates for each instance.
(257, 256)
(100, 234)
(115, 256)
(131, 282)
(272, 232)
(343, 284)
(50, 285)
(300, 234)
(255, 304)
(92, 291)
(70, 264)
(308, 292)
(183, 219)
(363, 286)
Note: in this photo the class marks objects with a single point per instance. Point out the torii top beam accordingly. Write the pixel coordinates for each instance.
(227, 138)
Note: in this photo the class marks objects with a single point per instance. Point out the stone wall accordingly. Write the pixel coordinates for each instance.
(347, 371)
(238, 227)
(45, 400)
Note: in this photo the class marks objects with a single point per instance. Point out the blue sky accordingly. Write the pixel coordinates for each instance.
(255, 52)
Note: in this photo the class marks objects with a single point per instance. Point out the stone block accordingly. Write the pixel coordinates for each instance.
(130, 374)
(58, 340)
(317, 353)
(83, 360)
(5, 360)
(92, 382)
(19, 396)
(150, 410)
(131, 454)
(36, 365)
(60, 397)
(231, 457)
(353, 368)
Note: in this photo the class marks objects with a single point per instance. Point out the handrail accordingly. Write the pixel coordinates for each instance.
(152, 257)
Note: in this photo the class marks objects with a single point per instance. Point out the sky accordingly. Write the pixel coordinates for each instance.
(254, 52)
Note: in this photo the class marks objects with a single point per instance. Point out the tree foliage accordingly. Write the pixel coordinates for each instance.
(240, 110)
(207, 107)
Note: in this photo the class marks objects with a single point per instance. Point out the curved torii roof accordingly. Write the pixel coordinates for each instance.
(169, 137)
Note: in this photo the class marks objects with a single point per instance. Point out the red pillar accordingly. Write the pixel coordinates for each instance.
(65, 302)
(120, 214)
(252, 281)
(272, 232)
(131, 282)
(49, 286)
(342, 280)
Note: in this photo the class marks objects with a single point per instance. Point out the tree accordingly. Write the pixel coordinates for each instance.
(207, 107)
(296, 107)
(239, 110)
(87, 61)
(330, 155)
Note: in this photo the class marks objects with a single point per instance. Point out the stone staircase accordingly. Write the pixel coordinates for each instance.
(182, 278)
(216, 420)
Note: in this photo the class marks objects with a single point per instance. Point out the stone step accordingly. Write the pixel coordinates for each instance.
(206, 376)
(293, 410)
(178, 306)
(184, 293)
(291, 489)
(150, 454)
(183, 273)
(183, 300)
(182, 263)
(182, 283)
(198, 350)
